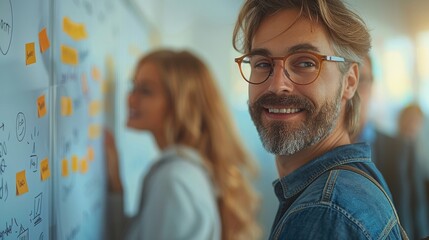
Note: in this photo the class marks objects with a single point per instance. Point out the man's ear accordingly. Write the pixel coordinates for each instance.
(351, 82)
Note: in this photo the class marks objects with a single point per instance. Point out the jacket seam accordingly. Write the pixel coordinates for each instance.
(329, 186)
(318, 173)
(332, 206)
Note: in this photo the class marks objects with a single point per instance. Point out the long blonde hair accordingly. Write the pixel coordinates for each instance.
(199, 119)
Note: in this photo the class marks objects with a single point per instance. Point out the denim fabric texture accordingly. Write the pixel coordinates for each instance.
(319, 203)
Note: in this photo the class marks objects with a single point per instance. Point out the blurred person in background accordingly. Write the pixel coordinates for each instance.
(393, 157)
(410, 122)
(423, 159)
(200, 187)
(410, 128)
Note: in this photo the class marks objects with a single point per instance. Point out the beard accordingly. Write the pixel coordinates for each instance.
(282, 138)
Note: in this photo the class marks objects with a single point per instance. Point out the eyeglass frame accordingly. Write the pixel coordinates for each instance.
(319, 57)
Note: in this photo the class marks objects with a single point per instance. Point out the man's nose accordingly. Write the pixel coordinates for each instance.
(279, 80)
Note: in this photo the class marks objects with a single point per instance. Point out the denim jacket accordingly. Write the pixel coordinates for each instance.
(319, 203)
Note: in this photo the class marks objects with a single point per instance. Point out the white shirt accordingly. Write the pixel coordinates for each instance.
(179, 200)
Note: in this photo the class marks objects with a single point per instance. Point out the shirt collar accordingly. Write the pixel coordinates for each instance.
(298, 180)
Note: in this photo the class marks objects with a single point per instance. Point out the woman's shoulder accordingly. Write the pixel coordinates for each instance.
(180, 164)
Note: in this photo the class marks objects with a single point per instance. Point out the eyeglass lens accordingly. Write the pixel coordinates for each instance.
(301, 68)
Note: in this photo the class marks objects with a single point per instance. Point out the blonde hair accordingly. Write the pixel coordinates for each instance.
(348, 32)
(199, 119)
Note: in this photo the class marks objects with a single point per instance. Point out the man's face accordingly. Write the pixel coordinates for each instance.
(289, 117)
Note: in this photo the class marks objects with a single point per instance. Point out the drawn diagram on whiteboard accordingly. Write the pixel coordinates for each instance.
(37, 209)
(34, 159)
(6, 25)
(23, 233)
(21, 126)
(4, 191)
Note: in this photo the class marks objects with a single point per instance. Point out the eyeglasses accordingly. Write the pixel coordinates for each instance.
(301, 68)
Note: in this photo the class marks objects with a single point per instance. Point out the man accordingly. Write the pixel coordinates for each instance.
(301, 62)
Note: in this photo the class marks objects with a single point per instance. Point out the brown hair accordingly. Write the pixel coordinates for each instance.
(199, 119)
(348, 32)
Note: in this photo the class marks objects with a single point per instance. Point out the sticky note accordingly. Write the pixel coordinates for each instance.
(83, 166)
(94, 108)
(45, 172)
(64, 168)
(69, 55)
(91, 154)
(41, 106)
(21, 183)
(75, 163)
(30, 54)
(66, 106)
(95, 72)
(44, 42)
(76, 31)
(84, 83)
(94, 131)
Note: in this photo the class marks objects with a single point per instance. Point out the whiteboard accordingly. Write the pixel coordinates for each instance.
(25, 189)
(79, 87)
(59, 63)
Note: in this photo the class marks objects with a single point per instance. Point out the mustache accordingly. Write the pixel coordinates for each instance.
(293, 100)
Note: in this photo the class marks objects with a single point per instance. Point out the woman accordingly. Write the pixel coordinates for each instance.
(199, 188)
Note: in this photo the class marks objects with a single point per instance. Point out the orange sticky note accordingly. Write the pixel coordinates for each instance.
(41, 106)
(65, 168)
(69, 55)
(45, 172)
(21, 183)
(94, 108)
(94, 131)
(43, 40)
(83, 166)
(30, 54)
(76, 31)
(75, 163)
(96, 75)
(66, 106)
(90, 154)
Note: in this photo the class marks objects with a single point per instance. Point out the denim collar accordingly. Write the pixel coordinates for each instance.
(298, 180)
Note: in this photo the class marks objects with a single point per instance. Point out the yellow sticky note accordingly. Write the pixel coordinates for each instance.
(94, 108)
(30, 54)
(69, 55)
(41, 106)
(75, 163)
(94, 131)
(44, 42)
(91, 154)
(76, 31)
(66, 106)
(45, 172)
(84, 83)
(65, 168)
(83, 166)
(95, 72)
(21, 183)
